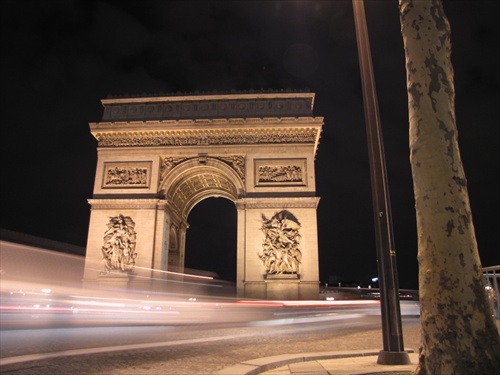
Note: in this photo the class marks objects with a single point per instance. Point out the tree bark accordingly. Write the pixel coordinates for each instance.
(458, 331)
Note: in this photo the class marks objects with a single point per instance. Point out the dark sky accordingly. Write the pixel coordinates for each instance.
(60, 58)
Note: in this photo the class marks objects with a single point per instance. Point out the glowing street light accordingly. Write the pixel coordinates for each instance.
(393, 352)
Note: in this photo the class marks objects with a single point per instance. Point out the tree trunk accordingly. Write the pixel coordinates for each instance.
(458, 331)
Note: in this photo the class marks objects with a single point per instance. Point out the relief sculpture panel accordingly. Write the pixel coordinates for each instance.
(126, 175)
(281, 254)
(118, 250)
(280, 172)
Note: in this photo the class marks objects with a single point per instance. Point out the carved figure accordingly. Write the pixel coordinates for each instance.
(119, 244)
(237, 162)
(280, 249)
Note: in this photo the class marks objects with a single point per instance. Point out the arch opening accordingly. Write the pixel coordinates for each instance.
(211, 238)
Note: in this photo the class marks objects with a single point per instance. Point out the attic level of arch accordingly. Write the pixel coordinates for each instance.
(208, 107)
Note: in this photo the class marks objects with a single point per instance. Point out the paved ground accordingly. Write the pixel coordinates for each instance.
(270, 356)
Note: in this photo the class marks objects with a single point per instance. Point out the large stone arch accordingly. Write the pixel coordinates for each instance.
(159, 156)
(190, 180)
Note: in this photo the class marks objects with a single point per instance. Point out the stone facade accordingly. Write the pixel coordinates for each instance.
(159, 156)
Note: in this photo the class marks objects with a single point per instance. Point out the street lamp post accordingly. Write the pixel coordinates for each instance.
(393, 352)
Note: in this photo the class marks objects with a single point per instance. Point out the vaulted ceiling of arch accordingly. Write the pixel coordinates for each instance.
(184, 192)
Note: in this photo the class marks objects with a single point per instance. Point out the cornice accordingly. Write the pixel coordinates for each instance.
(277, 203)
(201, 97)
(210, 124)
(126, 203)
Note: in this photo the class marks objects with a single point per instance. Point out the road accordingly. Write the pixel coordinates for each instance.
(232, 334)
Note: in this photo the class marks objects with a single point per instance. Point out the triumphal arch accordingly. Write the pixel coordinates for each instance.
(159, 156)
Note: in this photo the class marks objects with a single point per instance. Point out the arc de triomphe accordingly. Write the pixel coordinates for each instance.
(159, 156)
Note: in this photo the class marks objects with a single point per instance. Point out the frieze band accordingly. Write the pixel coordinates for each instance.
(113, 140)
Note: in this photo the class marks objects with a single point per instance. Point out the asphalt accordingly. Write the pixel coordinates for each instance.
(355, 353)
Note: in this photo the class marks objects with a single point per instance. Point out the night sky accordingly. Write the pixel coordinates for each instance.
(60, 58)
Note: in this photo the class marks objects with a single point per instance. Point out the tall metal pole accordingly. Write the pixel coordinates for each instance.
(393, 352)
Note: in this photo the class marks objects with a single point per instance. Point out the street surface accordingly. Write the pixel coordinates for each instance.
(51, 324)
(193, 348)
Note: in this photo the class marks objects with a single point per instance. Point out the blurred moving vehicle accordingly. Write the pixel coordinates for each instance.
(44, 289)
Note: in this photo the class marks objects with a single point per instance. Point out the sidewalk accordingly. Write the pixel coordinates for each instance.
(353, 357)
(322, 363)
